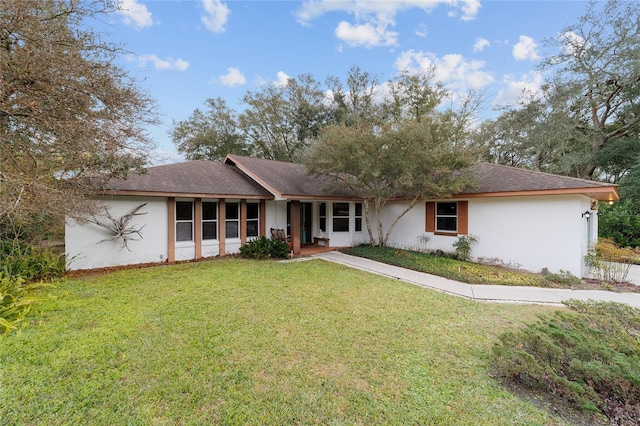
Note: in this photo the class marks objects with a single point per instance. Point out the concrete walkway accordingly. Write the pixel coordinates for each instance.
(486, 293)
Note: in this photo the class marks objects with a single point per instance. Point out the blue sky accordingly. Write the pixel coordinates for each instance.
(185, 52)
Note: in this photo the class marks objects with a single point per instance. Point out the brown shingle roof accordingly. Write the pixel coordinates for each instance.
(207, 178)
(495, 179)
(247, 177)
(287, 180)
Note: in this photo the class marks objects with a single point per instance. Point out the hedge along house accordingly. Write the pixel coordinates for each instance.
(202, 208)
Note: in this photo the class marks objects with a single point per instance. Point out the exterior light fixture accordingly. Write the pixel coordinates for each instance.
(586, 214)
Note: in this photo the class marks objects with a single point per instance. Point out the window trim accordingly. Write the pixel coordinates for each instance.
(253, 219)
(455, 216)
(190, 221)
(462, 215)
(322, 217)
(357, 225)
(227, 220)
(341, 217)
(214, 221)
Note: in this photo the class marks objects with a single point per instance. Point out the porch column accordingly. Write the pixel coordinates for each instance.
(263, 218)
(197, 227)
(171, 227)
(295, 226)
(243, 222)
(222, 227)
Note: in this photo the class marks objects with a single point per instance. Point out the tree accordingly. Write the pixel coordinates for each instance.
(277, 123)
(408, 160)
(355, 104)
(598, 69)
(211, 134)
(592, 98)
(69, 116)
(280, 121)
(414, 96)
(404, 148)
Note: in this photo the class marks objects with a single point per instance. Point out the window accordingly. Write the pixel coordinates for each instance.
(447, 217)
(323, 217)
(358, 217)
(232, 222)
(253, 221)
(209, 220)
(184, 221)
(340, 217)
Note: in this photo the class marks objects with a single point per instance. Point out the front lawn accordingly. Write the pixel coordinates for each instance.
(248, 342)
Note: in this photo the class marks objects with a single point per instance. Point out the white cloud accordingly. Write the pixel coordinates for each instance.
(366, 35)
(232, 78)
(526, 49)
(456, 72)
(480, 44)
(134, 14)
(311, 10)
(161, 64)
(373, 20)
(571, 41)
(421, 31)
(282, 79)
(215, 16)
(527, 86)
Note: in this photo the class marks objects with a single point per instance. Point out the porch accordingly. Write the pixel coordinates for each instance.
(309, 250)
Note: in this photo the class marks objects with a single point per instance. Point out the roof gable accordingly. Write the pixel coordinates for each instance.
(287, 180)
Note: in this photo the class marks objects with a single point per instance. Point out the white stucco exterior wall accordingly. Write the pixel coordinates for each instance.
(85, 251)
(527, 232)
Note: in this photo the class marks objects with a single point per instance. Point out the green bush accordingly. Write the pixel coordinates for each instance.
(587, 357)
(563, 278)
(29, 262)
(264, 248)
(463, 246)
(15, 301)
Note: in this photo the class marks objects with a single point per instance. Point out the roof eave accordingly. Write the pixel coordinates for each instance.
(603, 193)
(137, 193)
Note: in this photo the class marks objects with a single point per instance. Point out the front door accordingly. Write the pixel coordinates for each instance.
(306, 223)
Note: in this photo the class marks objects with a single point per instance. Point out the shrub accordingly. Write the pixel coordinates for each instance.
(29, 262)
(564, 278)
(463, 246)
(611, 262)
(264, 248)
(587, 357)
(15, 301)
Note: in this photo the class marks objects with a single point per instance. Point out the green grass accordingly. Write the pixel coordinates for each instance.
(467, 272)
(248, 342)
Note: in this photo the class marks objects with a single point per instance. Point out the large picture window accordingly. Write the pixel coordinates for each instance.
(209, 220)
(232, 220)
(447, 217)
(184, 221)
(253, 219)
(340, 217)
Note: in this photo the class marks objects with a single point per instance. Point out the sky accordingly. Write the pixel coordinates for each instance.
(185, 52)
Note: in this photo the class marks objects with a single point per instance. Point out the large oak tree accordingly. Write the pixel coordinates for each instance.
(410, 147)
(70, 117)
(589, 104)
